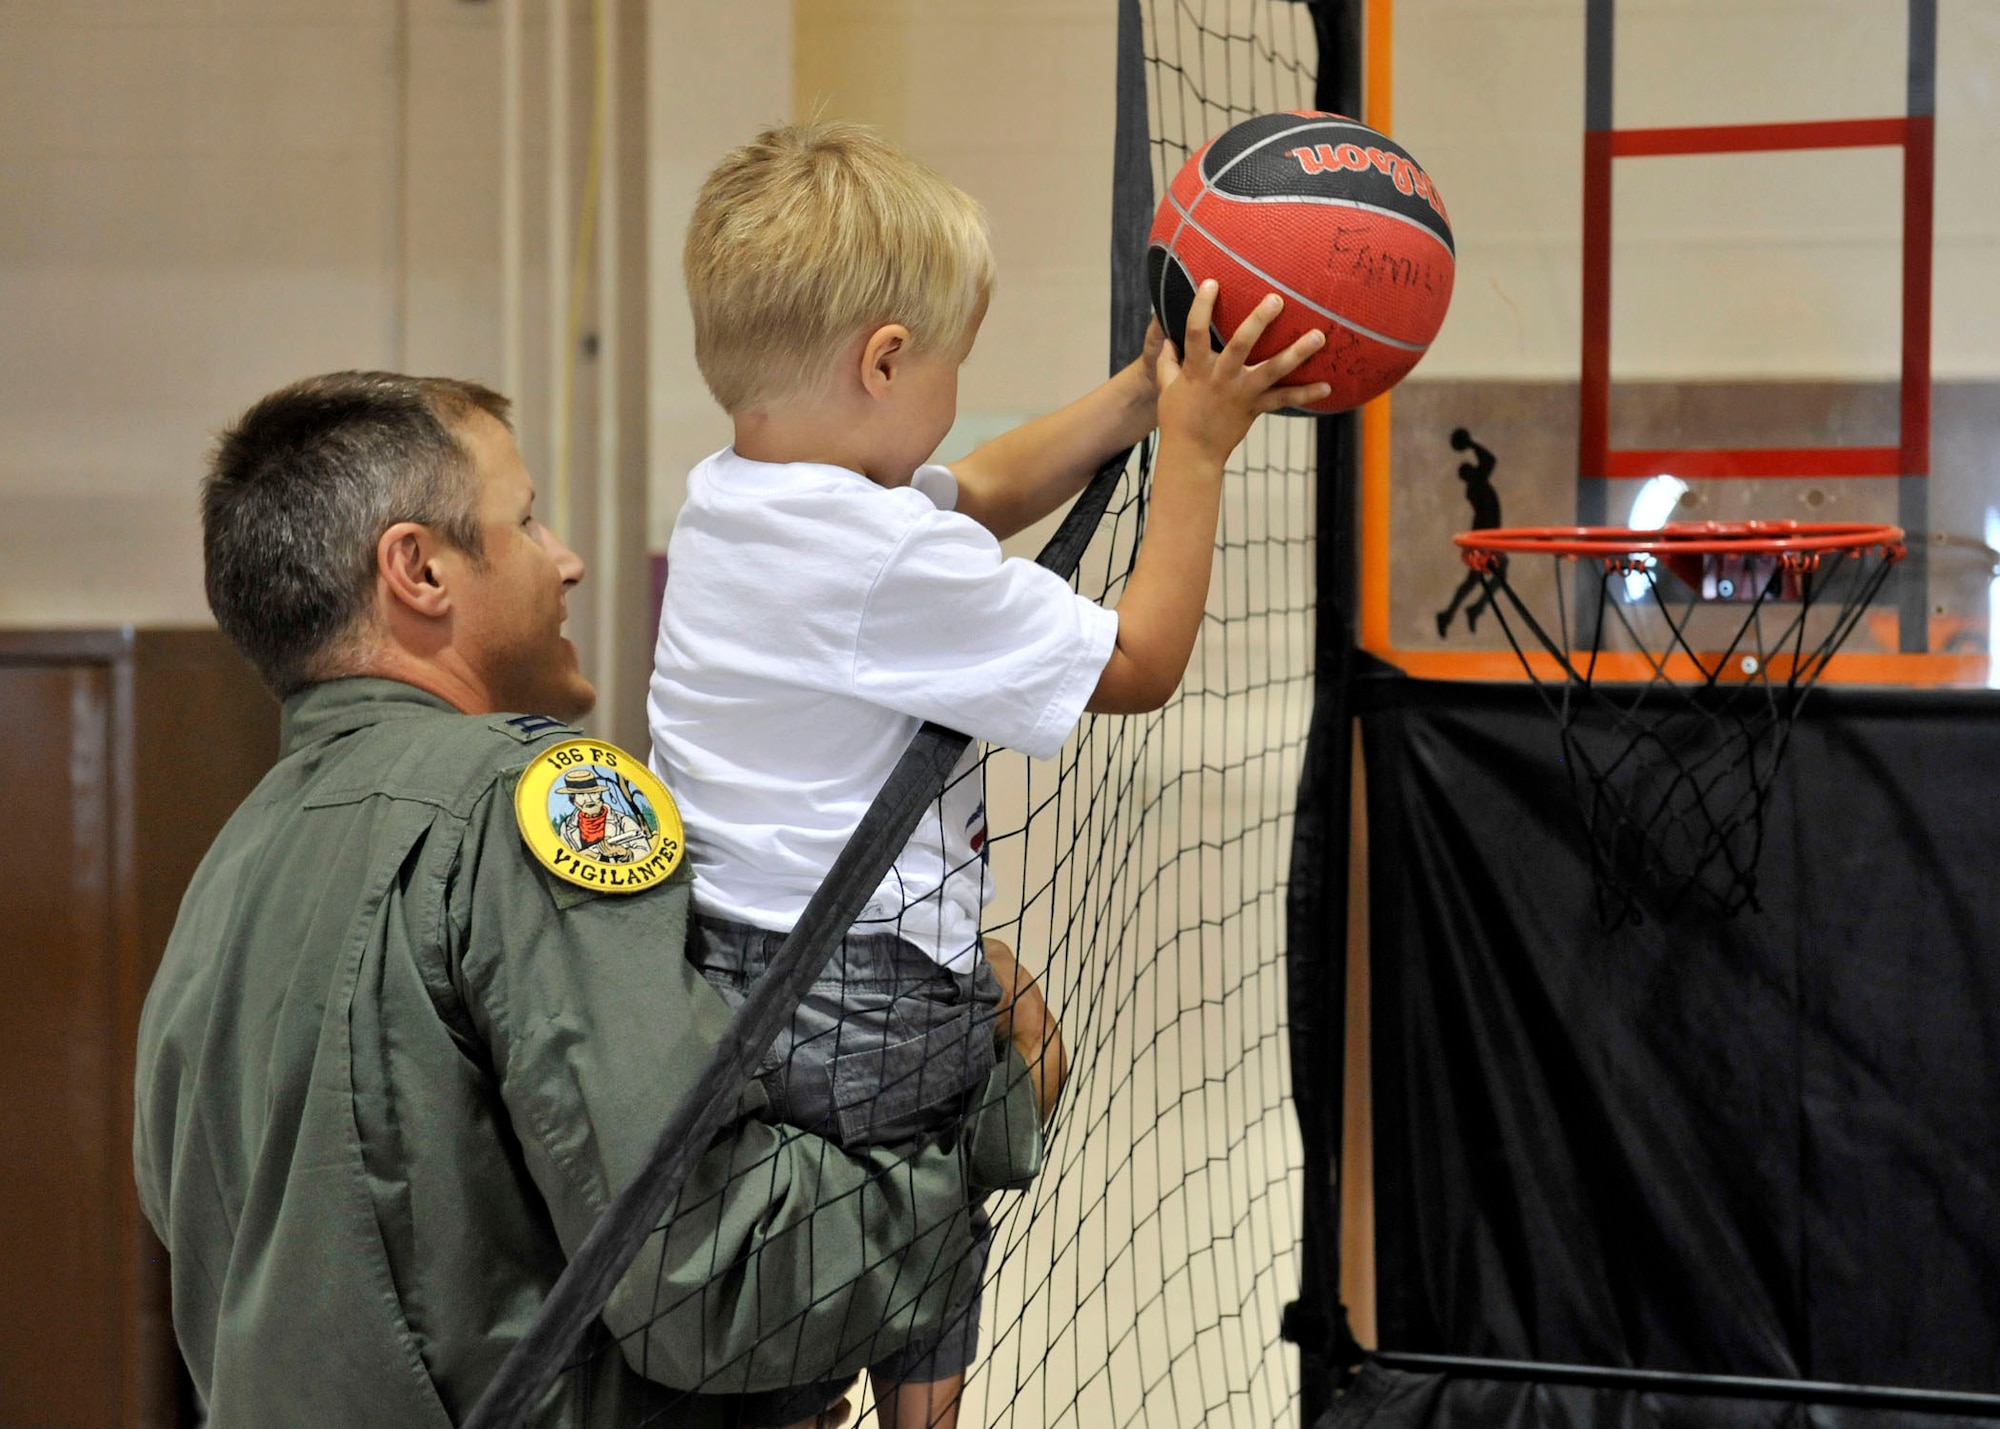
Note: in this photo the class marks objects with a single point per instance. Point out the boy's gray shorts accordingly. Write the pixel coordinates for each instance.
(886, 1046)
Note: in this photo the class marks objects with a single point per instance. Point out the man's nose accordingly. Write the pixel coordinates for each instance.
(568, 563)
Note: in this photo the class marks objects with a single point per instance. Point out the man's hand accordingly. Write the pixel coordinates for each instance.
(1208, 399)
(1024, 1020)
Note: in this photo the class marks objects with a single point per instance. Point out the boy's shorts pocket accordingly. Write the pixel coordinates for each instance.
(895, 1091)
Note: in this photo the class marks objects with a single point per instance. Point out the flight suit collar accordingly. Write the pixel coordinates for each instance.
(336, 707)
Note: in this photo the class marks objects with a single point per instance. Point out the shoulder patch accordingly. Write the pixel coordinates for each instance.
(530, 727)
(594, 816)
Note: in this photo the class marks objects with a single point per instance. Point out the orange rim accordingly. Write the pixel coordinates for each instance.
(1613, 544)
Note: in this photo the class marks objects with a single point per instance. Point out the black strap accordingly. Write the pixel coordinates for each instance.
(1131, 192)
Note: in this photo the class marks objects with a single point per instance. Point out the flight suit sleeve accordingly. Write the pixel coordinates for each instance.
(785, 1260)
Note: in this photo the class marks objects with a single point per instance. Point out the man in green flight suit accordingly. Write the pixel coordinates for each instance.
(393, 1068)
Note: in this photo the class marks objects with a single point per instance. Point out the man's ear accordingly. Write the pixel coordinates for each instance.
(881, 355)
(407, 564)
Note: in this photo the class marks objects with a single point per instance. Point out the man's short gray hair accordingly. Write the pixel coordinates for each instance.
(300, 490)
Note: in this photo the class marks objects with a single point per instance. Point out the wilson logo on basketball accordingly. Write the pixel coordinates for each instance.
(1406, 176)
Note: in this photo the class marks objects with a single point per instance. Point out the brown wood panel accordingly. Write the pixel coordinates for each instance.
(203, 731)
(60, 1171)
(125, 753)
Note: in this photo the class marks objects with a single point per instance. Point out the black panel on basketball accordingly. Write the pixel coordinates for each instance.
(1231, 145)
(1173, 295)
(1261, 159)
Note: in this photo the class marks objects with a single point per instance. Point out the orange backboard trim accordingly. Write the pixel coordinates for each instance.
(1618, 666)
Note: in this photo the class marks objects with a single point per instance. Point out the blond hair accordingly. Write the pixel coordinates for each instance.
(813, 233)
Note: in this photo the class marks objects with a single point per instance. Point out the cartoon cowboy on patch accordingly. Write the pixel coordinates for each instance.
(594, 828)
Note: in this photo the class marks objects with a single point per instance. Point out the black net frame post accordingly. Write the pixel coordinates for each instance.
(1131, 191)
(1317, 901)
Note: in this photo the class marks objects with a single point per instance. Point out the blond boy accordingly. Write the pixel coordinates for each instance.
(828, 591)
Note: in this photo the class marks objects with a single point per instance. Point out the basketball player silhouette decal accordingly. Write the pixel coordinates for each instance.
(1477, 475)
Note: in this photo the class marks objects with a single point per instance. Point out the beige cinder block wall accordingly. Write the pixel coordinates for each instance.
(204, 201)
(1012, 101)
(1762, 265)
(718, 74)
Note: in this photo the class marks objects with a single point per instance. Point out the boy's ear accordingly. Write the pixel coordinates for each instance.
(881, 354)
(407, 565)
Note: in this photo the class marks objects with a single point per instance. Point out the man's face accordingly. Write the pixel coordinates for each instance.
(588, 805)
(507, 621)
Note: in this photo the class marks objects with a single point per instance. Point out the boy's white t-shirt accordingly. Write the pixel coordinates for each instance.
(812, 621)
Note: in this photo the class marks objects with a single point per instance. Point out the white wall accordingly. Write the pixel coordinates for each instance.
(205, 198)
(1780, 265)
(1010, 99)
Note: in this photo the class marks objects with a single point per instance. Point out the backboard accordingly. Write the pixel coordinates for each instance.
(1717, 261)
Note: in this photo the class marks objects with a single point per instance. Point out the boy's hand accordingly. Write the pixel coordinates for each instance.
(1209, 399)
(1144, 373)
(1137, 385)
(1016, 479)
(1024, 1020)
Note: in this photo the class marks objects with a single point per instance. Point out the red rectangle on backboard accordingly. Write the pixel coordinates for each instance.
(1758, 138)
(1756, 462)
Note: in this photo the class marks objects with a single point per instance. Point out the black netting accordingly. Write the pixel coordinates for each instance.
(1674, 683)
(1141, 1278)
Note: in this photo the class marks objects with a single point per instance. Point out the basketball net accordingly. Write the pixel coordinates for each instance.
(1674, 662)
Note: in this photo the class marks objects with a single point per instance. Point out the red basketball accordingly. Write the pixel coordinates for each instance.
(1334, 218)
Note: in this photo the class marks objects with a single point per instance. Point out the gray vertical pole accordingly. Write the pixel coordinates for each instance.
(1912, 577)
(1593, 438)
(1599, 51)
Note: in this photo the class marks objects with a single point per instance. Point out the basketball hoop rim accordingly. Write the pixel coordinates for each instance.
(1684, 538)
